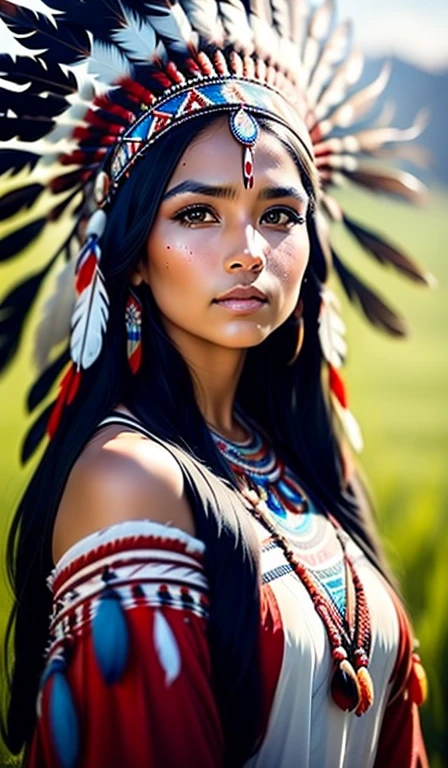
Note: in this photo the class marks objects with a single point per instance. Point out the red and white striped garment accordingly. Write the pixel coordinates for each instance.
(127, 680)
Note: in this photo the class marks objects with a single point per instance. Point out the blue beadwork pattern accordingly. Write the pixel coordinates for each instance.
(307, 528)
(185, 102)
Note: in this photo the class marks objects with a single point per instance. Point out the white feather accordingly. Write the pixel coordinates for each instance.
(89, 322)
(108, 63)
(167, 648)
(332, 330)
(350, 426)
(137, 38)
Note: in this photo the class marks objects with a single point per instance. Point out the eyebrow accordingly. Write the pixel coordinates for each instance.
(269, 193)
(200, 189)
(230, 193)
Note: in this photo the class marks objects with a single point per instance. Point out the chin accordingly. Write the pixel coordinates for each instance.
(243, 338)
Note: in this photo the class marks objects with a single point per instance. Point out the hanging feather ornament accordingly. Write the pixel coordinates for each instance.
(88, 320)
(340, 403)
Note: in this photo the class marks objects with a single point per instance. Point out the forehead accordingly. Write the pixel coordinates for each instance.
(215, 157)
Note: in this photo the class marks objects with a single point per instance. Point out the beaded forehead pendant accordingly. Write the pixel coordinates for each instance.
(246, 131)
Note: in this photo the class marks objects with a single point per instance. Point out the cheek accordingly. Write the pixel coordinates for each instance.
(290, 258)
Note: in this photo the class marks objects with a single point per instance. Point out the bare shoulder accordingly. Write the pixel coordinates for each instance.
(120, 475)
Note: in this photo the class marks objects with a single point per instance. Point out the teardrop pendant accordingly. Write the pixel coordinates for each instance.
(345, 687)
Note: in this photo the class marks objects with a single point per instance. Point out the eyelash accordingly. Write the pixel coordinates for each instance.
(181, 216)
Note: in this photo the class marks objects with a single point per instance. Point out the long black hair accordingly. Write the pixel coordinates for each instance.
(288, 400)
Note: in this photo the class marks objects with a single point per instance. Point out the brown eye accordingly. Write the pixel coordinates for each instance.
(197, 214)
(282, 217)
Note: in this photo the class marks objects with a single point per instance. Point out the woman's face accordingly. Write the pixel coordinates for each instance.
(212, 235)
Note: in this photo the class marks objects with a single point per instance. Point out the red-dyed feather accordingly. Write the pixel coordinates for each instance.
(68, 389)
(337, 386)
(85, 274)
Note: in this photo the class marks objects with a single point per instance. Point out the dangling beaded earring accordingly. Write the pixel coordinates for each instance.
(133, 319)
(298, 315)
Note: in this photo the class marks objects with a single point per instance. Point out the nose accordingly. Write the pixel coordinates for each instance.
(247, 254)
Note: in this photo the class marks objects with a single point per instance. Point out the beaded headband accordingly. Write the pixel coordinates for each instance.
(186, 101)
(86, 88)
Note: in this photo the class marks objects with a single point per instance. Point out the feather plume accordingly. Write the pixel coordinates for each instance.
(54, 326)
(235, 22)
(15, 201)
(374, 308)
(264, 35)
(43, 385)
(204, 18)
(332, 330)
(350, 425)
(332, 52)
(318, 30)
(18, 240)
(14, 310)
(357, 105)
(298, 10)
(136, 37)
(108, 63)
(171, 25)
(90, 314)
(391, 181)
(280, 17)
(385, 253)
(35, 435)
(335, 91)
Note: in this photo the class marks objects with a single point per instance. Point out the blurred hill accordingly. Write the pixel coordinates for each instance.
(409, 89)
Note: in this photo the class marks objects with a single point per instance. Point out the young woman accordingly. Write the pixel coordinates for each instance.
(197, 574)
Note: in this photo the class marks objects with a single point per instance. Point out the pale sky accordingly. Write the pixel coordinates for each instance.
(414, 30)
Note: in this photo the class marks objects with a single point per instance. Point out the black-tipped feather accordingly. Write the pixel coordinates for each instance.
(384, 252)
(15, 160)
(64, 43)
(375, 309)
(15, 201)
(14, 310)
(46, 380)
(35, 435)
(14, 243)
(39, 77)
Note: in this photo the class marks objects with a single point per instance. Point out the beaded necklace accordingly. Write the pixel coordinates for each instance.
(348, 632)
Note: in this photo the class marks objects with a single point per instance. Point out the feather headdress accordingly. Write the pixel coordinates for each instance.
(86, 87)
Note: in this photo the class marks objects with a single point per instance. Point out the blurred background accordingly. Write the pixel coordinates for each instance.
(398, 389)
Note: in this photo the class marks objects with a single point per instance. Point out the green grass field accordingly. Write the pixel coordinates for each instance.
(398, 391)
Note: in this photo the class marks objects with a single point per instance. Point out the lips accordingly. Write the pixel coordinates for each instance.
(242, 292)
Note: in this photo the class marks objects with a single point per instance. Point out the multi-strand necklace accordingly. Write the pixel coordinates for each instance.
(274, 493)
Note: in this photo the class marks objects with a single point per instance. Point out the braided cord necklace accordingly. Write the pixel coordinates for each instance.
(349, 633)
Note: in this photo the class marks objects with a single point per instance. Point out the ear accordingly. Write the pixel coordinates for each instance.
(135, 275)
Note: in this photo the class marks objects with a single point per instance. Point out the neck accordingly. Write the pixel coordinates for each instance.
(215, 372)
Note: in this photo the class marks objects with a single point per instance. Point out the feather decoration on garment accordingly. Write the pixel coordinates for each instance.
(110, 636)
(166, 648)
(64, 725)
(74, 79)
